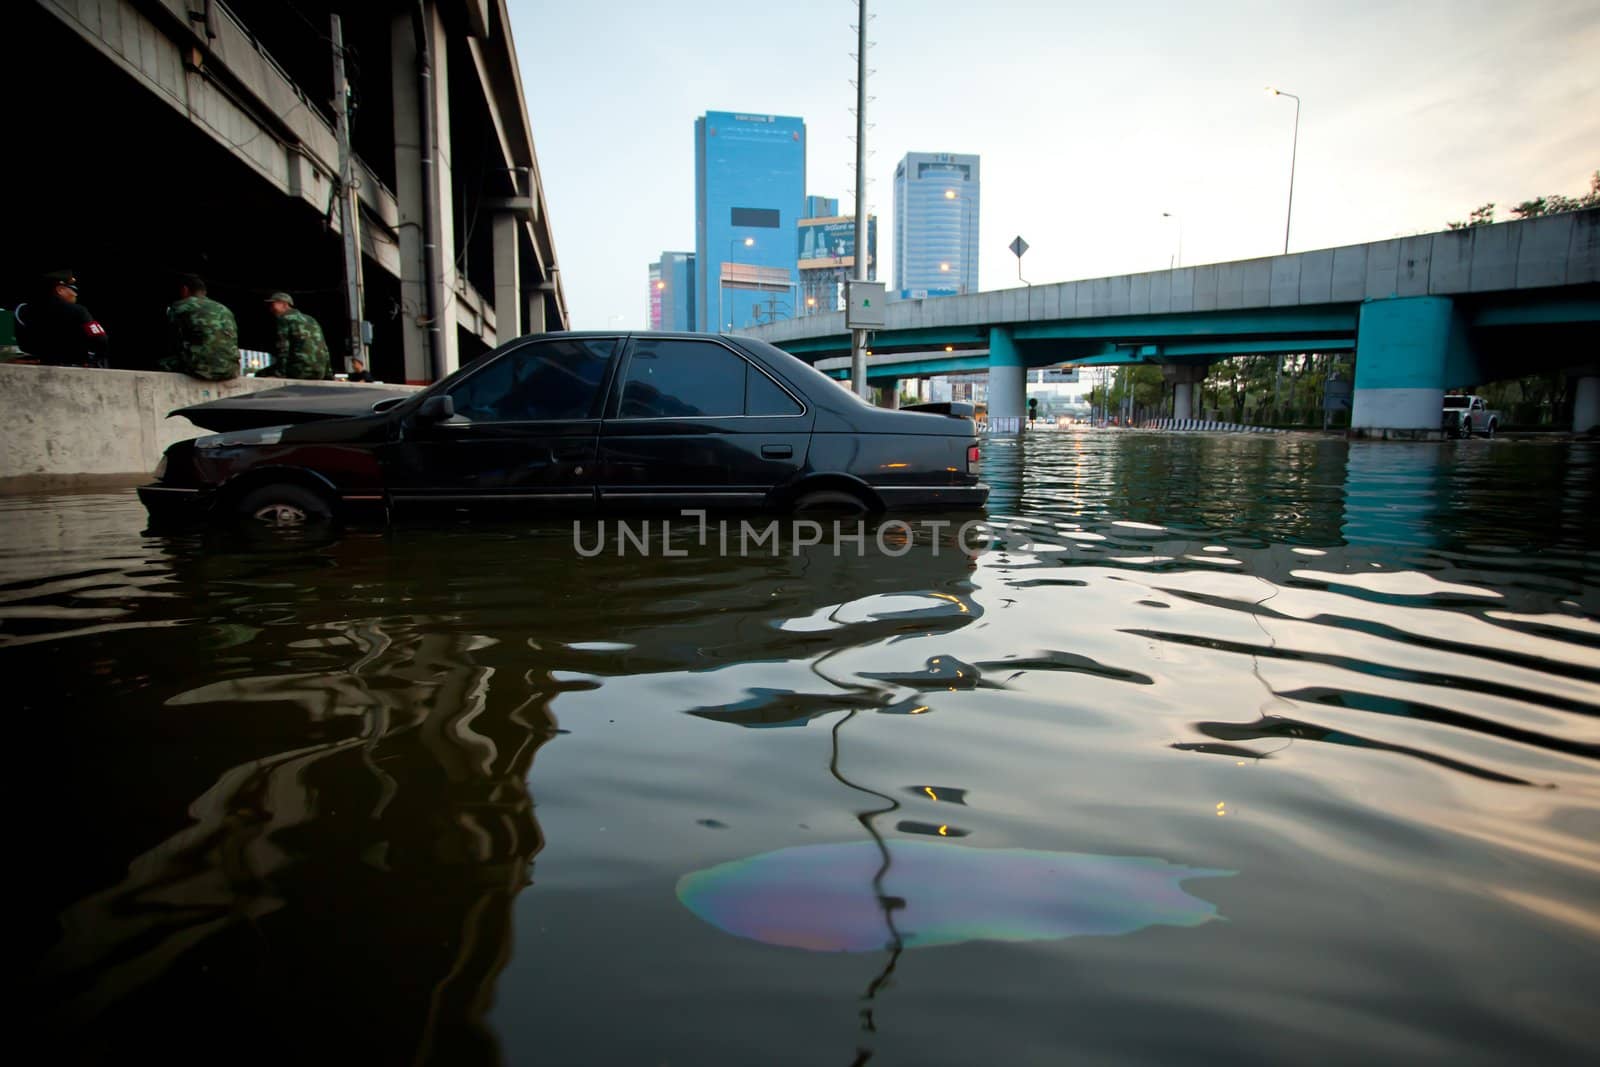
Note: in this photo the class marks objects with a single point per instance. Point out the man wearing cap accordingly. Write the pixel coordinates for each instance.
(204, 337)
(57, 329)
(300, 351)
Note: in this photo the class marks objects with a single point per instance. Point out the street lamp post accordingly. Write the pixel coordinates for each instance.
(1294, 150)
(748, 242)
(1178, 260)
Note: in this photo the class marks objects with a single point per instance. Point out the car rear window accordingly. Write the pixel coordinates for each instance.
(763, 396)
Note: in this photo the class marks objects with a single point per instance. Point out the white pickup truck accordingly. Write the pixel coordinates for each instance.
(1465, 415)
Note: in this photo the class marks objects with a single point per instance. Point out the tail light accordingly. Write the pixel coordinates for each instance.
(972, 459)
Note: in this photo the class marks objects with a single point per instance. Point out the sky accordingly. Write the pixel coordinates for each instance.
(1092, 120)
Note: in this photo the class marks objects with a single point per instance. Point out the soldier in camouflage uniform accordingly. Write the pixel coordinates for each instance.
(205, 337)
(300, 352)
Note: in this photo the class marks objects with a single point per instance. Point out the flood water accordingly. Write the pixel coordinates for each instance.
(1244, 749)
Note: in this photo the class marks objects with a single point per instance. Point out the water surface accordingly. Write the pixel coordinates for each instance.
(1233, 748)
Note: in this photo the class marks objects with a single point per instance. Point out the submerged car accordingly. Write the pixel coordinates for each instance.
(574, 421)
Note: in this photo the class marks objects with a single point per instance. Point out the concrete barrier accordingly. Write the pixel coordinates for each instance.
(1208, 425)
(66, 427)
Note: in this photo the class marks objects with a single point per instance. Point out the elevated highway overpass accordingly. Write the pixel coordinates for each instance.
(1421, 314)
(168, 136)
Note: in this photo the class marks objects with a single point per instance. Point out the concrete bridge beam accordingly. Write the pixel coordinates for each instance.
(1007, 376)
(1407, 350)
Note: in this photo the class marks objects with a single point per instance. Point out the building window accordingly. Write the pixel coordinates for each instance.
(762, 217)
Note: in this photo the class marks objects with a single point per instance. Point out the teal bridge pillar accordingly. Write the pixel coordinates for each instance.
(1407, 350)
(1007, 377)
(889, 393)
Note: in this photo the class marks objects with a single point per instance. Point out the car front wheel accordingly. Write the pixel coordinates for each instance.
(284, 505)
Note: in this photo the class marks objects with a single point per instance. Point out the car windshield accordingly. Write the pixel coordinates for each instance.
(1455, 401)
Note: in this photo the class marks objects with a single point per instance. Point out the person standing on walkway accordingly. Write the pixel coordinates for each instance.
(358, 371)
(58, 330)
(300, 351)
(204, 335)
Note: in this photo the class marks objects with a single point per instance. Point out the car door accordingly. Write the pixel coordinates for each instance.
(693, 422)
(524, 431)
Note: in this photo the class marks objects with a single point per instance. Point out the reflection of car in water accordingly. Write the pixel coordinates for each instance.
(579, 421)
(340, 822)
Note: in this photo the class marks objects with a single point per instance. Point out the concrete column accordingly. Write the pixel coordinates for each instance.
(412, 187)
(1007, 378)
(1182, 400)
(408, 197)
(508, 306)
(1185, 380)
(1586, 404)
(1407, 349)
(889, 394)
(535, 323)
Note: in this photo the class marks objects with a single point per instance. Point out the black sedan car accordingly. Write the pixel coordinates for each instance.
(574, 421)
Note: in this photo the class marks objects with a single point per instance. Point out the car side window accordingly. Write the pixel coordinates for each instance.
(763, 396)
(682, 379)
(545, 380)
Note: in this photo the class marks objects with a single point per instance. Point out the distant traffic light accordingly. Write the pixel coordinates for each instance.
(1033, 408)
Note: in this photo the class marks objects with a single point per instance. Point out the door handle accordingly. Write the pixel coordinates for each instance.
(776, 451)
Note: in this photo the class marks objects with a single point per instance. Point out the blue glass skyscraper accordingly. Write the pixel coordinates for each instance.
(936, 224)
(749, 194)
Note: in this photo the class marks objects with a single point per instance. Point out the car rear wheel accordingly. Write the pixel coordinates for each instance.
(830, 501)
(284, 505)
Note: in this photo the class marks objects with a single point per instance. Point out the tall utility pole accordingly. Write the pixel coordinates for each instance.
(858, 338)
(349, 209)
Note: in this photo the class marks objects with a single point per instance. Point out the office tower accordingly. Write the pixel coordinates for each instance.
(672, 292)
(749, 193)
(653, 315)
(936, 224)
(820, 207)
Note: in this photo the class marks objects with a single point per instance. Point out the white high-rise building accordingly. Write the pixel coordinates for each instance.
(936, 224)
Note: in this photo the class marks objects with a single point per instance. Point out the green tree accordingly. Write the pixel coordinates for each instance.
(1554, 204)
(1481, 216)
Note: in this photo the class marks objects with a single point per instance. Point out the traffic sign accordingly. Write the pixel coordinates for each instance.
(1018, 246)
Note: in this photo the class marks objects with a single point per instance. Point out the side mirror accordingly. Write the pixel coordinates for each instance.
(436, 409)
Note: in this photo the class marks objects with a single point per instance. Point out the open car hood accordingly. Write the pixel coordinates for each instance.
(304, 402)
